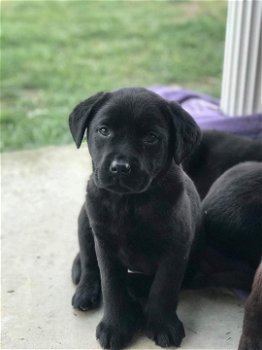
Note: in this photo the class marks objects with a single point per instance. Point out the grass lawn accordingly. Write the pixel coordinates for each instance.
(56, 53)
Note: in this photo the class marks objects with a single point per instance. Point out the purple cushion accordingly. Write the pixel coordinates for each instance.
(207, 113)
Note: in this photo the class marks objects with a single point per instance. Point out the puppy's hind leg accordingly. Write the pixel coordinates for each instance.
(85, 270)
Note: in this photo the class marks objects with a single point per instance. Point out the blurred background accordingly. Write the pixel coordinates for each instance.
(56, 53)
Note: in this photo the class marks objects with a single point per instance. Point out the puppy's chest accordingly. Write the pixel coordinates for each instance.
(130, 217)
(135, 232)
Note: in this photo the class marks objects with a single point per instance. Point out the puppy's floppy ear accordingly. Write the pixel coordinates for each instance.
(82, 114)
(187, 132)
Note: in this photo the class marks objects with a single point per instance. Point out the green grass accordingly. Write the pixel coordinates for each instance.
(56, 53)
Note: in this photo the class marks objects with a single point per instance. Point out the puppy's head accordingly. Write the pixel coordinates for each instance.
(133, 134)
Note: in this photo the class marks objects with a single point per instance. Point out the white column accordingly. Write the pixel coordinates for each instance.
(242, 72)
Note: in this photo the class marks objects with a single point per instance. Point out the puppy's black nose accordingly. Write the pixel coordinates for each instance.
(120, 167)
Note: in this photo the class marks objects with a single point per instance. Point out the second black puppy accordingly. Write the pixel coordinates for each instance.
(217, 152)
(141, 212)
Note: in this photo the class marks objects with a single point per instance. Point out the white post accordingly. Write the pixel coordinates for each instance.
(242, 72)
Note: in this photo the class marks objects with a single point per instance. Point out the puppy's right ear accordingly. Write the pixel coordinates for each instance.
(82, 114)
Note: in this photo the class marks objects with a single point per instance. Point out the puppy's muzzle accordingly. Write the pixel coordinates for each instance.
(122, 174)
(120, 167)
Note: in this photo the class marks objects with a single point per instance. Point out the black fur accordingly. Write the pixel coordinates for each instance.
(218, 152)
(232, 218)
(142, 212)
(233, 213)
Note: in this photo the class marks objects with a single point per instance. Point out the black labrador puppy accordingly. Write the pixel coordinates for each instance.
(233, 225)
(217, 152)
(141, 213)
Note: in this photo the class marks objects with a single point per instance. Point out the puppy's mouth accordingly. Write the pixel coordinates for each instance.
(122, 184)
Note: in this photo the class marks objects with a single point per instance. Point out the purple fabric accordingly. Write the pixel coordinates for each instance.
(207, 113)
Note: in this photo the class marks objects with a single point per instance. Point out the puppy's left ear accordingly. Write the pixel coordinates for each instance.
(187, 132)
(82, 114)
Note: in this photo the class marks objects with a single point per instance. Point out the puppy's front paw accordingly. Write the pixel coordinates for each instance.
(116, 334)
(87, 295)
(166, 333)
(113, 337)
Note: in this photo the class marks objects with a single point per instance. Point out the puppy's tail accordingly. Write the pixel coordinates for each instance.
(76, 270)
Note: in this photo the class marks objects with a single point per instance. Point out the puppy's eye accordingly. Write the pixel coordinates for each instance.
(104, 131)
(150, 138)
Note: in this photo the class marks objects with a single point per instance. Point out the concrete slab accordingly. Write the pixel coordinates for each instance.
(42, 192)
